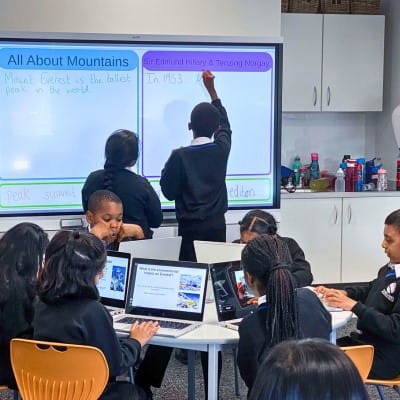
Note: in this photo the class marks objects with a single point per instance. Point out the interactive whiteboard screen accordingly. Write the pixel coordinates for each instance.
(61, 100)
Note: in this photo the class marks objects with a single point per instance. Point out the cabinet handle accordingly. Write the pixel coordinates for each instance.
(315, 96)
(349, 214)
(336, 215)
(329, 96)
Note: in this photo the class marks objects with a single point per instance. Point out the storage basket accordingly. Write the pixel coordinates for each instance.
(304, 6)
(365, 6)
(284, 5)
(335, 6)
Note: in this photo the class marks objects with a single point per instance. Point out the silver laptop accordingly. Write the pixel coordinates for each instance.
(212, 252)
(170, 292)
(113, 285)
(232, 297)
(159, 249)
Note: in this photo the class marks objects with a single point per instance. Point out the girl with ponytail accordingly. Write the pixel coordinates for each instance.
(259, 222)
(283, 313)
(68, 310)
(140, 202)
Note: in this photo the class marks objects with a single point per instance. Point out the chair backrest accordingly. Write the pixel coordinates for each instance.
(47, 370)
(362, 357)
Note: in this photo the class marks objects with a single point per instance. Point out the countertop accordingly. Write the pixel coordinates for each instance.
(306, 194)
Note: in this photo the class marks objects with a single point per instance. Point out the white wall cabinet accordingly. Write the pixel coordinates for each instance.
(341, 237)
(316, 225)
(302, 60)
(362, 235)
(333, 62)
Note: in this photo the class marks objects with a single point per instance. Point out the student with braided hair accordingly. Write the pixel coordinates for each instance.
(283, 312)
(140, 201)
(259, 222)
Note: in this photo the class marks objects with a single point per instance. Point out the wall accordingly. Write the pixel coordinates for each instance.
(385, 141)
(330, 134)
(184, 17)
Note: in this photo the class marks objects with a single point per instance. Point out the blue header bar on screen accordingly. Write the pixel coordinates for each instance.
(59, 59)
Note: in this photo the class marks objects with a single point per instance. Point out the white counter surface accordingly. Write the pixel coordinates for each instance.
(323, 195)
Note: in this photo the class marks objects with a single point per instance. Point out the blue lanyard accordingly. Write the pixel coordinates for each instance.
(389, 274)
(262, 306)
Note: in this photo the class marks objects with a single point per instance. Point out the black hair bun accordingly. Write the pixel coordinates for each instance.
(271, 230)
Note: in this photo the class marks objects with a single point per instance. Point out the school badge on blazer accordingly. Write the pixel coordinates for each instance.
(391, 288)
(389, 291)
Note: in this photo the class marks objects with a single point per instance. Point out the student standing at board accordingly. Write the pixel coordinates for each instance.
(194, 176)
(140, 202)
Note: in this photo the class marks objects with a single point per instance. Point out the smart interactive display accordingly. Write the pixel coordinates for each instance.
(60, 100)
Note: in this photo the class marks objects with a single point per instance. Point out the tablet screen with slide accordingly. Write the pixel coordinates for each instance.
(61, 99)
(232, 296)
(113, 284)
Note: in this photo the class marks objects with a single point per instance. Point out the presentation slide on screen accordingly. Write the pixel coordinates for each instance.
(115, 274)
(60, 102)
(171, 288)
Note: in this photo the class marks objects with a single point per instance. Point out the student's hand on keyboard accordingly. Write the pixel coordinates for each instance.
(143, 332)
(338, 299)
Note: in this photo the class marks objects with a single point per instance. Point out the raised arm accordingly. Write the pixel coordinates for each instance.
(224, 133)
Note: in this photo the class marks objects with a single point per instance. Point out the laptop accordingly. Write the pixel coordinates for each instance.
(232, 297)
(159, 249)
(212, 252)
(112, 286)
(170, 292)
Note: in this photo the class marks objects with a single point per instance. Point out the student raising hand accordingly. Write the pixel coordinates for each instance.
(208, 80)
(143, 332)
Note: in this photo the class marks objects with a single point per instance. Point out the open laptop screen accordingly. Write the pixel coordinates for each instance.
(232, 296)
(171, 289)
(112, 286)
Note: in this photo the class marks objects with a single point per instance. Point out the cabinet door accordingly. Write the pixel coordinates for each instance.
(363, 222)
(316, 225)
(352, 72)
(302, 59)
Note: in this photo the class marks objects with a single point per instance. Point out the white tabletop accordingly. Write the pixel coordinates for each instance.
(211, 333)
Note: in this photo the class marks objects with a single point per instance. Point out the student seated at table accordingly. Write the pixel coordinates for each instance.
(283, 312)
(309, 369)
(21, 253)
(259, 222)
(377, 306)
(68, 309)
(104, 216)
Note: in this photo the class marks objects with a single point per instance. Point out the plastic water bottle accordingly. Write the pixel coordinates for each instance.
(359, 177)
(382, 180)
(314, 166)
(339, 183)
(296, 171)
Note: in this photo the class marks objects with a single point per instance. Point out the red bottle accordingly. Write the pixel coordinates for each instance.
(351, 176)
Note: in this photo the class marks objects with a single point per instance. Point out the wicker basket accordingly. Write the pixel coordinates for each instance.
(365, 6)
(284, 5)
(335, 6)
(304, 6)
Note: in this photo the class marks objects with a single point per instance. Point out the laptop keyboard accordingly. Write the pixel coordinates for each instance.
(161, 322)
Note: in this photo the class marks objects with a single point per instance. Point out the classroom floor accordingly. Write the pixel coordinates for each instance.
(175, 382)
